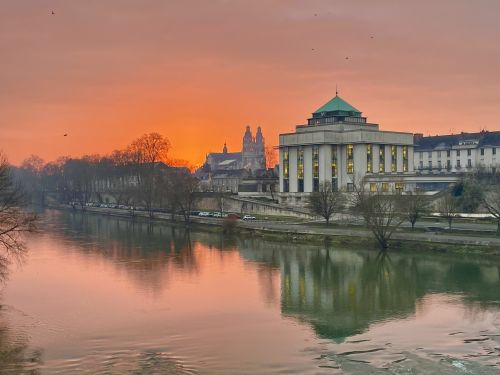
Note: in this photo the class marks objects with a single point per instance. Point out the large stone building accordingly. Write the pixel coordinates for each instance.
(338, 145)
(252, 156)
(225, 171)
(457, 153)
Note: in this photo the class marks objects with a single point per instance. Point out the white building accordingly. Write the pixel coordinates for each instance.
(457, 153)
(338, 145)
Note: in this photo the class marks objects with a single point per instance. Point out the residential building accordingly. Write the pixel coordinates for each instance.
(457, 153)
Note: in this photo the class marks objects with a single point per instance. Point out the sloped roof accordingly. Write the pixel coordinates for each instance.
(485, 138)
(219, 157)
(337, 104)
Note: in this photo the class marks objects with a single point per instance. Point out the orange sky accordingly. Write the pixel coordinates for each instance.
(107, 71)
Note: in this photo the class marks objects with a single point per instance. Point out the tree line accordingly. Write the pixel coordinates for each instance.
(384, 212)
(139, 176)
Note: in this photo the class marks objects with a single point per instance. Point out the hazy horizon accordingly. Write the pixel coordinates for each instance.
(106, 72)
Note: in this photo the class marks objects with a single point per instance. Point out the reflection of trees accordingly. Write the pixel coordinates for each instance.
(342, 292)
(145, 250)
(15, 356)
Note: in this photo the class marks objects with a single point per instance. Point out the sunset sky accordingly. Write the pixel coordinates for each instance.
(108, 71)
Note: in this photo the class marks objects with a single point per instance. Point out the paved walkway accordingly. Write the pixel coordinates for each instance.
(305, 228)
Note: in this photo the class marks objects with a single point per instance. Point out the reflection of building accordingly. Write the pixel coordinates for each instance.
(338, 145)
(457, 153)
(342, 292)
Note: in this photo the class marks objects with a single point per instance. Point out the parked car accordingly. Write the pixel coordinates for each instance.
(216, 214)
(249, 217)
(204, 214)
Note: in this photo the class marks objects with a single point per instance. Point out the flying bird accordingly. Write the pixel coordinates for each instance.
(347, 57)
(53, 12)
(65, 134)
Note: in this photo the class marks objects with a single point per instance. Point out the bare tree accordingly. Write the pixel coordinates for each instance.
(14, 221)
(220, 196)
(326, 201)
(381, 211)
(147, 152)
(491, 201)
(448, 207)
(414, 206)
(184, 188)
(271, 157)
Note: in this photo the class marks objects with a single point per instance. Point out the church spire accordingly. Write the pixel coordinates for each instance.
(224, 150)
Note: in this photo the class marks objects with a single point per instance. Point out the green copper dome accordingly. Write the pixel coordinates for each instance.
(338, 104)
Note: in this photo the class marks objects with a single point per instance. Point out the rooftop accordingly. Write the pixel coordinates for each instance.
(337, 104)
(480, 139)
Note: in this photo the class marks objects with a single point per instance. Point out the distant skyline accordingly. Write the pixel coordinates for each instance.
(107, 71)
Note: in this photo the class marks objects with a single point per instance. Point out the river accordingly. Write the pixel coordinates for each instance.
(104, 295)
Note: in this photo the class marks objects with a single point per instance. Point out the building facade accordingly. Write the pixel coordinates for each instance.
(338, 145)
(457, 153)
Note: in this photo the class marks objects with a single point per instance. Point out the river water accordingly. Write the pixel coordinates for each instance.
(103, 295)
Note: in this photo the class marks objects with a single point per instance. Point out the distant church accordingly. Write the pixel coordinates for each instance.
(251, 158)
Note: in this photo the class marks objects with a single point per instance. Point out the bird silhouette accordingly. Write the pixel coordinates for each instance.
(347, 57)
(65, 135)
(53, 12)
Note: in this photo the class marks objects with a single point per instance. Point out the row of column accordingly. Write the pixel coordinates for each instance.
(350, 165)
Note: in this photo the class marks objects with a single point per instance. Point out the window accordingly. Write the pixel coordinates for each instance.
(421, 165)
(300, 170)
(373, 187)
(369, 159)
(430, 165)
(448, 165)
(385, 187)
(439, 165)
(458, 164)
(350, 159)
(469, 152)
(494, 151)
(469, 163)
(458, 152)
(448, 153)
(482, 152)
(334, 167)
(381, 158)
(399, 186)
(286, 172)
(394, 166)
(405, 158)
(315, 167)
(350, 186)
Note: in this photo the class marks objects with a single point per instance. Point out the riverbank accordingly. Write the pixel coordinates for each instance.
(345, 236)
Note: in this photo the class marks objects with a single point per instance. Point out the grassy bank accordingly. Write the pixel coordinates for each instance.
(355, 239)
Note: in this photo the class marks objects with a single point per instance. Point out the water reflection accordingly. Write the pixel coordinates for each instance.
(349, 298)
(340, 293)
(16, 356)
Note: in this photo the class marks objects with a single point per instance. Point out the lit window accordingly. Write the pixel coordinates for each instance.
(394, 166)
(369, 159)
(381, 158)
(350, 159)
